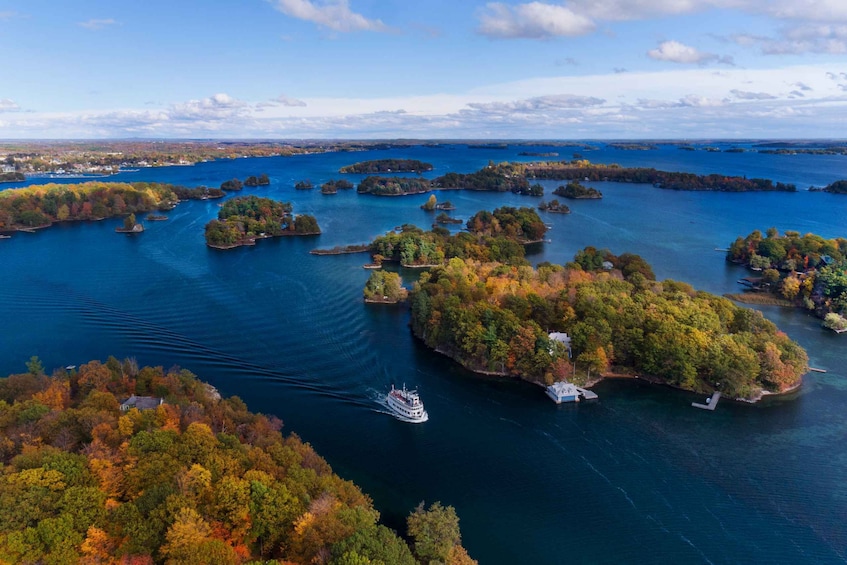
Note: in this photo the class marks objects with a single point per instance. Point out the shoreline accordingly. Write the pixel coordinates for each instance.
(621, 376)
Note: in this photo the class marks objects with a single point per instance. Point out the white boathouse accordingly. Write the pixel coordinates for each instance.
(563, 392)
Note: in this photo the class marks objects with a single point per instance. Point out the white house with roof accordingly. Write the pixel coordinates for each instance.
(562, 338)
(141, 402)
(563, 392)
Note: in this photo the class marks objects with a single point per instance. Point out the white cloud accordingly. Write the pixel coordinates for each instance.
(288, 101)
(96, 24)
(535, 20)
(333, 14)
(217, 107)
(747, 95)
(692, 102)
(537, 104)
(7, 105)
(676, 52)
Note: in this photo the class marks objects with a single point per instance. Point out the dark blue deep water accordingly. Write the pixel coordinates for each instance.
(639, 476)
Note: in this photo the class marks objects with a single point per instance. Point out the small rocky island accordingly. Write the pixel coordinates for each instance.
(333, 186)
(387, 166)
(130, 225)
(243, 220)
(554, 207)
(384, 287)
(576, 191)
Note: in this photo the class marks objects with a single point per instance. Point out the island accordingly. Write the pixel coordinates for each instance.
(39, 206)
(304, 185)
(12, 177)
(576, 191)
(393, 186)
(632, 146)
(493, 177)
(443, 218)
(537, 154)
(384, 287)
(243, 220)
(387, 166)
(582, 169)
(555, 207)
(492, 236)
(261, 180)
(431, 204)
(232, 184)
(342, 250)
(198, 193)
(333, 186)
(806, 271)
(130, 225)
(113, 462)
(446, 206)
(837, 187)
(495, 319)
(156, 218)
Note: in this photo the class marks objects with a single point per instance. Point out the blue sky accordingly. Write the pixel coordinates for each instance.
(572, 69)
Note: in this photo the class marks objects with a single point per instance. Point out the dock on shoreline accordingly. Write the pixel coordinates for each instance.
(711, 402)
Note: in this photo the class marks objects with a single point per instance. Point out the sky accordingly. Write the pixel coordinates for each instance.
(425, 69)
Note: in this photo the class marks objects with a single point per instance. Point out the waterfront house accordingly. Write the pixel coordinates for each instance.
(141, 402)
(563, 392)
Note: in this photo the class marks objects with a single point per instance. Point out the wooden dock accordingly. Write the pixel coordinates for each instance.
(587, 394)
(711, 402)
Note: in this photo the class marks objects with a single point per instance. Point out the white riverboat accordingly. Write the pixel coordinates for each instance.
(406, 405)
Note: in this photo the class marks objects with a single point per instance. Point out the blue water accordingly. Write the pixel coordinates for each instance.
(638, 476)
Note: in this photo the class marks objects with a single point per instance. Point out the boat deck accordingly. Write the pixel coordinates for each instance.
(587, 394)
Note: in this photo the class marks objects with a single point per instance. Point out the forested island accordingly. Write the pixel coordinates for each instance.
(303, 185)
(333, 186)
(40, 205)
(584, 170)
(495, 318)
(232, 184)
(555, 207)
(838, 187)
(393, 186)
(387, 166)
(261, 180)
(807, 271)
(180, 476)
(443, 218)
(492, 177)
(243, 220)
(384, 287)
(576, 191)
(492, 236)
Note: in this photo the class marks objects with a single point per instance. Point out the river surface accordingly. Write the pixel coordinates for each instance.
(638, 476)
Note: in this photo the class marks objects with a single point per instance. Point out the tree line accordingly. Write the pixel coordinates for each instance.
(387, 166)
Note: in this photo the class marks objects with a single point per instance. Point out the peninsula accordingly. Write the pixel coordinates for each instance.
(166, 470)
(39, 206)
